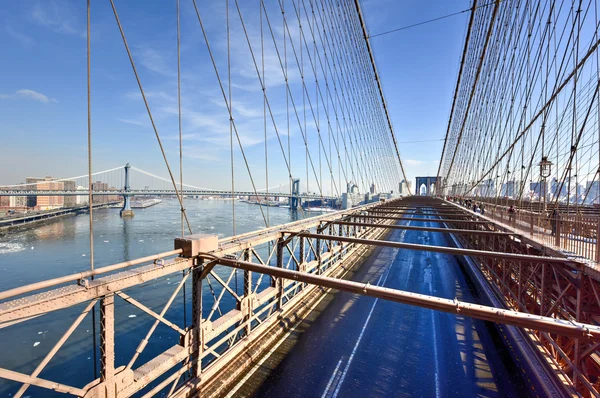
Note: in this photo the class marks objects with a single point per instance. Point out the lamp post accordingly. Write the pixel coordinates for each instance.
(545, 171)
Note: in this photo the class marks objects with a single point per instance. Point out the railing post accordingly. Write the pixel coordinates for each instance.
(557, 235)
(341, 233)
(301, 257)
(598, 240)
(248, 292)
(279, 281)
(531, 224)
(198, 337)
(318, 249)
(107, 343)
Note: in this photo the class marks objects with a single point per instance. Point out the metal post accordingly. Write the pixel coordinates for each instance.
(107, 343)
(558, 228)
(197, 319)
(248, 291)
(318, 248)
(531, 224)
(301, 258)
(598, 240)
(279, 280)
(341, 233)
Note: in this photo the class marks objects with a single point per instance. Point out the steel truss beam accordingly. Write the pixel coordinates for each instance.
(430, 229)
(440, 249)
(408, 218)
(498, 315)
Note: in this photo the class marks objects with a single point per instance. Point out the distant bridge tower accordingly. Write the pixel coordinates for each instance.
(126, 210)
(430, 185)
(294, 199)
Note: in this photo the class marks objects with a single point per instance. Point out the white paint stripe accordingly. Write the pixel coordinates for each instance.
(435, 348)
(331, 379)
(362, 332)
(232, 392)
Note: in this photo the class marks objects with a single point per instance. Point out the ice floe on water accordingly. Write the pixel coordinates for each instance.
(37, 343)
(132, 316)
(10, 247)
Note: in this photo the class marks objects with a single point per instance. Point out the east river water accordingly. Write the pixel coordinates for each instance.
(61, 247)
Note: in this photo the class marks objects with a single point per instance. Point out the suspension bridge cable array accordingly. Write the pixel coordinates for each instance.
(535, 100)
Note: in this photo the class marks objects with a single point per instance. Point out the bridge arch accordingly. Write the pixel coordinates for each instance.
(429, 183)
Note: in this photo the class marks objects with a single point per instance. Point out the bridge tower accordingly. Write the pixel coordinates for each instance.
(126, 210)
(294, 199)
(430, 185)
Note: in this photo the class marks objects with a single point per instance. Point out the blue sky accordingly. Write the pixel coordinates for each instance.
(43, 119)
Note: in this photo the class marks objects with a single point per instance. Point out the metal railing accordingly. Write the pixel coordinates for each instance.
(285, 269)
(574, 233)
(225, 319)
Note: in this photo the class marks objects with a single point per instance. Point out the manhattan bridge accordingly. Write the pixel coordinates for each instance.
(481, 280)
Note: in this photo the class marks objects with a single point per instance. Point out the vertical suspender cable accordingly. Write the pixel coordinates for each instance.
(179, 115)
(230, 114)
(287, 98)
(89, 142)
(264, 85)
(231, 126)
(180, 145)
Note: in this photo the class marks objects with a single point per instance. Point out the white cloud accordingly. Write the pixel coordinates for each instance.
(134, 122)
(56, 18)
(28, 94)
(154, 61)
(413, 162)
(25, 40)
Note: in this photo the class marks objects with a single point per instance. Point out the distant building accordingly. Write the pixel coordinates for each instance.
(352, 197)
(100, 186)
(373, 189)
(509, 189)
(487, 188)
(403, 188)
(70, 201)
(81, 199)
(593, 191)
(4, 200)
(18, 201)
(49, 202)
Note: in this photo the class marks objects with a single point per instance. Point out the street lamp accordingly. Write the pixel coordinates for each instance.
(545, 171)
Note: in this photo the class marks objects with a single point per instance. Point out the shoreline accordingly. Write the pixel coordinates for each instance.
(11, 224)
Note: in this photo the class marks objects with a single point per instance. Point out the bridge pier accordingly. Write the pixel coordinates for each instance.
(294, 199)
(126, 210)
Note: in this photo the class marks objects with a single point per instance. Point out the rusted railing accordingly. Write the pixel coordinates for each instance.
(284, 270)
(226, 318)
(573, 232)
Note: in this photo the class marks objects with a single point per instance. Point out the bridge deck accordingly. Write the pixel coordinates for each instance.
(360, 346)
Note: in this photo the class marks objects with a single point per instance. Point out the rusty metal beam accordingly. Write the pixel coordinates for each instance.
(441, 249)
(82, 275)
(43, 383)
(498, 315)
(430, 229)
(407, 218)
